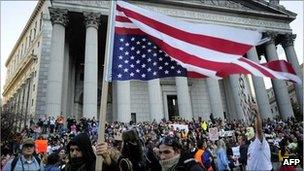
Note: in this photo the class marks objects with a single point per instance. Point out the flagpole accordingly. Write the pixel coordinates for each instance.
(105, 81)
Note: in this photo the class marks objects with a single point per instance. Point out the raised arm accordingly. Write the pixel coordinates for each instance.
(258, 122)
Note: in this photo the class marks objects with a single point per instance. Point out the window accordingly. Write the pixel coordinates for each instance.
(38, 44)
(271, 110)
(25, 46)
(40, 21)
(35, 29)
(32, 102)
(33, 87)
(22, 49)
(30, 36)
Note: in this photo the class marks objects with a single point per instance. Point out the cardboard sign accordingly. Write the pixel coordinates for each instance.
(213, 134)
(180, 127)
(236, 155)
(41, 146)
(226, 133)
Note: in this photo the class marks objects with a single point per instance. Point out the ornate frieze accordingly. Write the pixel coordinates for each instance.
(196, 16)
(226, 3)
(59, 16)
(288, 40)
(91, 19)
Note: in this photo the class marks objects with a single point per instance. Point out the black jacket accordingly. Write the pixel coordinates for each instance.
(83, 141)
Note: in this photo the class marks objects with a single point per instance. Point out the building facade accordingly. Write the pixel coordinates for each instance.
(56, 66)
(292, 96)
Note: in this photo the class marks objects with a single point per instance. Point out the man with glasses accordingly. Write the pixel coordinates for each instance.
(26, 161)
(172, 158)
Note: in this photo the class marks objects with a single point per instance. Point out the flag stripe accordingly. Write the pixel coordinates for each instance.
(122, 19)
(281, 66)
(123, 31)
(224, 32)
(204, 53)
(263, 71)
(196, 39)
(203, 49)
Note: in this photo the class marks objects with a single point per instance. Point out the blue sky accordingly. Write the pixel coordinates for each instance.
(15, 14)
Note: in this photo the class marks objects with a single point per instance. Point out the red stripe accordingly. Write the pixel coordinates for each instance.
(256, 66)
(123, 19)
(192, 74)
(194, 60)
(232, 69)
(123, 31)
(281, 66)
(205, 41)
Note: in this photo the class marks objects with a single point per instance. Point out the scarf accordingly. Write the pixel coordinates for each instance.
(168, 164)
(76, 163)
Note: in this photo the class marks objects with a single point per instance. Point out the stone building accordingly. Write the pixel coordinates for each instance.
(56, 66)
(292, 97)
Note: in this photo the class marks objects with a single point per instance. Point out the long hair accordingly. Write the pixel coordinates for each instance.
(221, 144)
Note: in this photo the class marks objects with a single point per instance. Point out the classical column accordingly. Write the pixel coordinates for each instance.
(55, 74)
(65, 81)
(21, 105)
(123, 101)
(291, 56)
(90, 67)
(279, 86)
(234, 84)
(23, 89)
(259, 88)
(28, 89)
(215, 98)
(183, 98)
(155, 100)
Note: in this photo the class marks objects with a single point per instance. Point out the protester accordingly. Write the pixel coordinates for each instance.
(259, 157)
(81, 155)
(147, 135)
(26, 161)
(221, 156)
(172, 159)
(52, 163)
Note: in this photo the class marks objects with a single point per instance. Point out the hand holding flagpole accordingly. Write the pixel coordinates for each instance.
(106, 76)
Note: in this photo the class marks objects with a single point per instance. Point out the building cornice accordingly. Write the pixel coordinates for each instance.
(25, 29)
(25, 66)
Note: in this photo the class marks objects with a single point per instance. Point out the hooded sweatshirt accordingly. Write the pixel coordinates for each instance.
(88, 160)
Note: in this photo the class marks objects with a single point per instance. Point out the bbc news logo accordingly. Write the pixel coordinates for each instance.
(290, 162)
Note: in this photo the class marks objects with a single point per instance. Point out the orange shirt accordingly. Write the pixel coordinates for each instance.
(198, 156)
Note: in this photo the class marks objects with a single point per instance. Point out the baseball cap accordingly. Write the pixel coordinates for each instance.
(28, 141)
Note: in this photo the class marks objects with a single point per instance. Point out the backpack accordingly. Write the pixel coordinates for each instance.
(15, 160)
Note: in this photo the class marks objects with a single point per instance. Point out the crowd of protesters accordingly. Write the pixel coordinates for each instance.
(72, 145)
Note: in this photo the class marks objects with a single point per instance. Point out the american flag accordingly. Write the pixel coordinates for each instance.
(137, 58)
(202, 49)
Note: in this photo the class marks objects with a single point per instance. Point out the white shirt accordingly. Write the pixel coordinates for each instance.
(258, 156)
